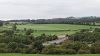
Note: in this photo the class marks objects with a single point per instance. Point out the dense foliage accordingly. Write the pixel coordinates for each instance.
(83, 42)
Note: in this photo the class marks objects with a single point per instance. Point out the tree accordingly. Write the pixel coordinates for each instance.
(94, 24)
(12, 45)
(1, 23)
(29, 31)
(24, 29)
(9, 32)
(75, 45)
(14, 27)
(37, 45)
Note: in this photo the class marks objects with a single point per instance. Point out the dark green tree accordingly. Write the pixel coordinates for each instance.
(14, 27)
(29, 31)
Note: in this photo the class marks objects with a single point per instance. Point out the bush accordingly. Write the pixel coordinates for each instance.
(3, 50)
(83, 51)
(29, 31)
(18, 50)
(60, 51)
(54, 51)
(70, 51)
(3, 45)
(12, 45)
(30, 51)
(95, 48)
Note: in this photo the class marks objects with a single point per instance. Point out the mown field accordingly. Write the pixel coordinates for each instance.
(47, 55)
(52, 28)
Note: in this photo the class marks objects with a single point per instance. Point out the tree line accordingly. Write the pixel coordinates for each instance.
(92, 20)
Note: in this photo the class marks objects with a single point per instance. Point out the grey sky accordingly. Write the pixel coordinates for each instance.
(22, 9)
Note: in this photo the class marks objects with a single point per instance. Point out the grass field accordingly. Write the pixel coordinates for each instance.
(47, 55)
(53, 28)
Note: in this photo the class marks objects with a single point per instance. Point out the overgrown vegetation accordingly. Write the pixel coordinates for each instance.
(20, 37)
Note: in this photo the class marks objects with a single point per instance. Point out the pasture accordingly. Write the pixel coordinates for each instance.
(15, 54)
(51, 29)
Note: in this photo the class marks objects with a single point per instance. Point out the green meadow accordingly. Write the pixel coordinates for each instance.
(51, 29)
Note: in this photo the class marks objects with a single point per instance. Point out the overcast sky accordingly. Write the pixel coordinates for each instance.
(33, 9)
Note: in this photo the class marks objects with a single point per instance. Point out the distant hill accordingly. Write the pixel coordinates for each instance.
(68, 20)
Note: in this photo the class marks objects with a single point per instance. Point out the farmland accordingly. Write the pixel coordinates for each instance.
(52, 28)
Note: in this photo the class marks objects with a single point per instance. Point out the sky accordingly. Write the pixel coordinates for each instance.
(42, 9)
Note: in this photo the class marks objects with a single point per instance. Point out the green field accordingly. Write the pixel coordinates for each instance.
(52, 28)
(48, 55)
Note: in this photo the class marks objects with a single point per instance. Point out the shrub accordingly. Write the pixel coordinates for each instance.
(18, 50)
(83, 51)
(95, 48)
(54, 51)
(30, 51)
(12, 45)
(3, 45)
(29, 31)
(70, 51)
(3, 50)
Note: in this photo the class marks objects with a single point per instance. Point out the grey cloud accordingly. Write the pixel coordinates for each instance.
(13, 9)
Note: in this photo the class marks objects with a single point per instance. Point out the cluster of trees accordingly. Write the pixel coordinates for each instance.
(1, 23)
(89, 36)
(67, 47)
(69, 20)
(83, 42)
(12, 42)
